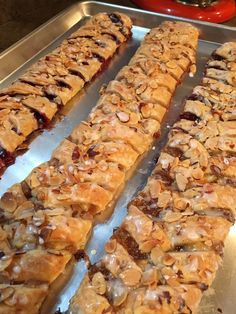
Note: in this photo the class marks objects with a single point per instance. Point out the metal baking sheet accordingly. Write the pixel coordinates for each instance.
(221, 297)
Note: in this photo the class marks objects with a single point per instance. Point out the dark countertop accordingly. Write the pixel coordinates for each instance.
(20, 17)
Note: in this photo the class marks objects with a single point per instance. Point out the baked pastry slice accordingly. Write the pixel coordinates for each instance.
(36, 266)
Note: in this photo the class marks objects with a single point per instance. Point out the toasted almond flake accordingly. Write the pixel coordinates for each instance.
(118, 292)
(149, 277)
(180, 203)
(99, 283)
(110, 246)
(146, 111)
(172, 216)
(123, 116)
(197, 174)
(141, 89)
(154, 188)
(131, 277)
(156, 253)
(164, 199)
(103, 165)
(147, 245)
(181, 181)
(168, 260)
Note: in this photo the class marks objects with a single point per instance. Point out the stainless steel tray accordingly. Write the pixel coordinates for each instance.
(221, 297)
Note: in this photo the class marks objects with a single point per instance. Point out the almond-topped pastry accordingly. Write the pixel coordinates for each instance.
(47, 218)
(17, 299)
(170, 245)
(32, 101)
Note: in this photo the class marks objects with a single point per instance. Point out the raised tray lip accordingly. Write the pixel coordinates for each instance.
(85, 8)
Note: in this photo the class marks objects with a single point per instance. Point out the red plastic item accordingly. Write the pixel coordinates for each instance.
(218, 12)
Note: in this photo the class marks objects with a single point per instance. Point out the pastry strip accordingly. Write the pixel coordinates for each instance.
(170, 245)
(32, 101)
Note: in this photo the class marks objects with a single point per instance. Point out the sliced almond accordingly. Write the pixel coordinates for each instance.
(134, 118)
(172, 64)
(117, 291)
(180, 203)
(168, 260)
(154, 188)
(147, 246)
(164, 199)
(63, 197)
(123, 116)
(111, 246)
(149, 277)
(181, 181)
(172, 216)
(103, 165)
(153, 84)
(156, 253)
(99, 283)
(8, 202)
(172, 282)
(197, 174)
(131, 277)
(141, 89)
